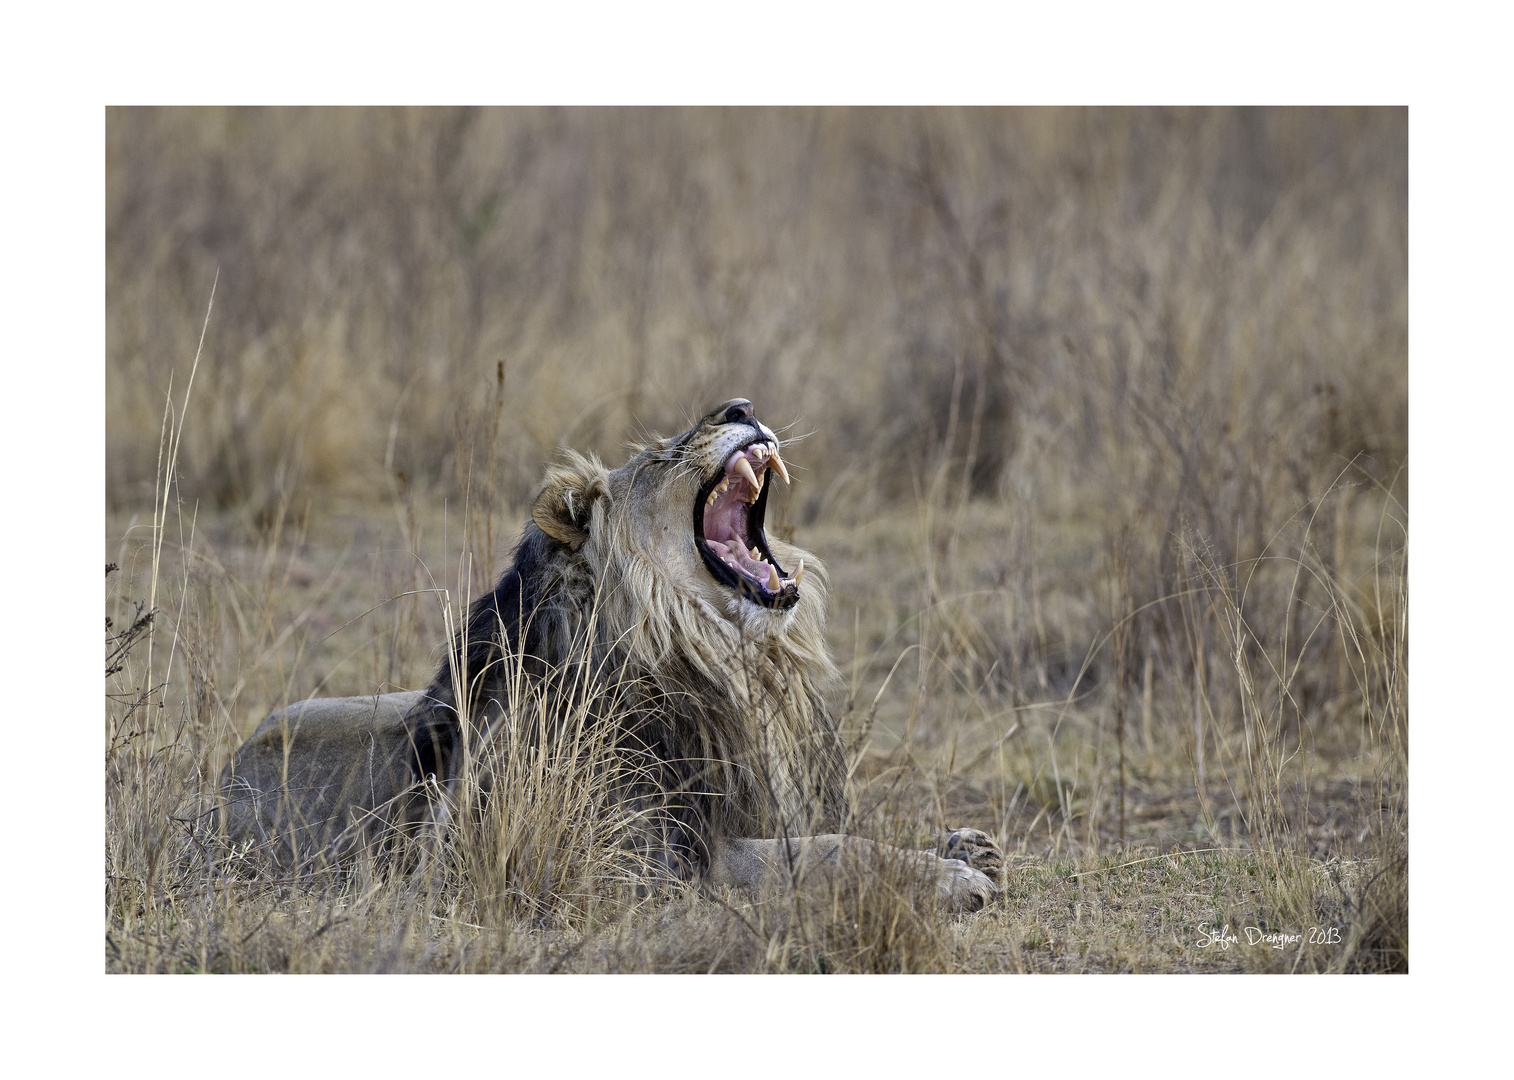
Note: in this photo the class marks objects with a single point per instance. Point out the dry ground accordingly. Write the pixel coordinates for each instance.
(1032, 759)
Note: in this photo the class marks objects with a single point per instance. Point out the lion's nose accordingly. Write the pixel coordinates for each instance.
(737, 411)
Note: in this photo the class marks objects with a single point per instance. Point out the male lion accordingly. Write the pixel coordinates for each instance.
(652, 592)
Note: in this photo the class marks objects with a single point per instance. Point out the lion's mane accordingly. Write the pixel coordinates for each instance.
(719, 714)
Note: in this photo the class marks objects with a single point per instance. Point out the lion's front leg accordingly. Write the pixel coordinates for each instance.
(961, 887)
(761, 865)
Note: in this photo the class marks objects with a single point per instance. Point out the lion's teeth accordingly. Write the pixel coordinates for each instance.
(711, 500)
(754, 553)
(761, 450)
(773, 582)
(798, 573)
(777, 463)
(744, 467)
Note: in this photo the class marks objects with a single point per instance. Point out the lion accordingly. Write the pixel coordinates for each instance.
(653, 592)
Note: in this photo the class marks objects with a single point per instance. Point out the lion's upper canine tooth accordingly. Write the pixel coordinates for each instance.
(798, 573)
(773, 582)
(777, 463)
(744, 467)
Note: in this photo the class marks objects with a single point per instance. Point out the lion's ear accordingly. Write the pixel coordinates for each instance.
(565, 506)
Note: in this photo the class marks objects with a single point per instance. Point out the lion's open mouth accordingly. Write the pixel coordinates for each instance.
(728, 519)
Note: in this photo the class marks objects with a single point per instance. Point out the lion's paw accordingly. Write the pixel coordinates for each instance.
(961, 888)
(977, 849)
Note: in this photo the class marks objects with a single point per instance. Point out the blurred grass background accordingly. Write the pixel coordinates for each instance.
(1101, 420)
(1122, 307)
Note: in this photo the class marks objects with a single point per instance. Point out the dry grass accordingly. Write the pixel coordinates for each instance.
(1103, 421)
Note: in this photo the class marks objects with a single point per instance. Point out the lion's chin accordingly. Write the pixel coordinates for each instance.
(728, 519)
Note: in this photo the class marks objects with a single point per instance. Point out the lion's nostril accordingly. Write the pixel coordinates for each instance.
(735, 411)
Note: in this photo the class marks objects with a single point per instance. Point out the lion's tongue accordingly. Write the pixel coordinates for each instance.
(725, 520)
(725, 514)
(733, 552)
(723, 529)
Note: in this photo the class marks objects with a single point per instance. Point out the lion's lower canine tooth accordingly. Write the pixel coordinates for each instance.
(777, 463)
(744, 467)
(798, 573)
(772, 579)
